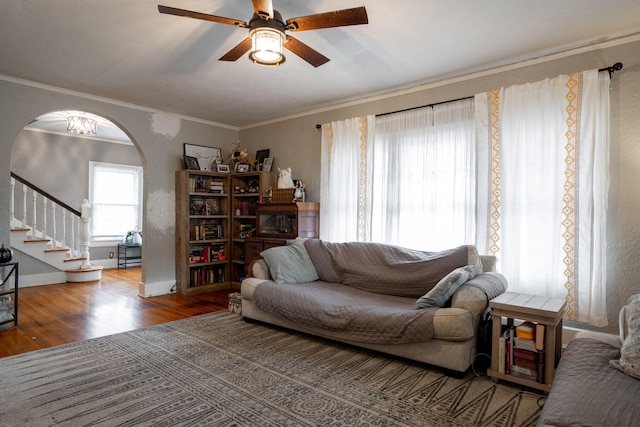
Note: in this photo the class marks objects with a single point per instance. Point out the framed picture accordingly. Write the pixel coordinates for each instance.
(267, 164)
(242, 167)
(260, 156)
(222, 168)
(191, 163)
(207, 156)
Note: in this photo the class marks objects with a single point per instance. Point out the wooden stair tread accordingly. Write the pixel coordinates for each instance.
(74, 259)
(37, 240)
(20, 229)
(57, 250)
(85, 270)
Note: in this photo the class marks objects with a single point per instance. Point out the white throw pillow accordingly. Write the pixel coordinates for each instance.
(290, 264)
(629, 362)
(446, 287)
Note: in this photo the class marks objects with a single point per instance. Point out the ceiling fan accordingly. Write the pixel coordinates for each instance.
(267, 31)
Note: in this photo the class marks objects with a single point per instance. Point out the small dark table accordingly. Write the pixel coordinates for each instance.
(129, 256)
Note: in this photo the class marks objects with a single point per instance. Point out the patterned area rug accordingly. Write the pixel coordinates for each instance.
(216, 370)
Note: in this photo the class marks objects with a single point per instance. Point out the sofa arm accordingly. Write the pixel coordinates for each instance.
(259, 269)
(472, 299)
(248, 286)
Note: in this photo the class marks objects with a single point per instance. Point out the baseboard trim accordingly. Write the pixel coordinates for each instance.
(54, 278)
(106, 263)
(157, 288)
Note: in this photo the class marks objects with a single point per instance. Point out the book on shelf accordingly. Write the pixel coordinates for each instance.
(206, 275)
(206, 253)
(212, 207)
(199, 184)
(207, 230)
(522, 357)
(197, 207)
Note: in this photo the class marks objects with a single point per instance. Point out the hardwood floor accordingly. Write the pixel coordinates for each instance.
(57, 314)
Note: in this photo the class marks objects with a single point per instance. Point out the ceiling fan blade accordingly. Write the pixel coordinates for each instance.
(310, 55)
(204, 16)
(240, 49)
(339, 18)
(263, 8)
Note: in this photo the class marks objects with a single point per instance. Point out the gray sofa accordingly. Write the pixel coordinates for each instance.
(589, 387)
(365, 294)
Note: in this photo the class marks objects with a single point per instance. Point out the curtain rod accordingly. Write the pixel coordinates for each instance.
(319, 126)
(615, 67)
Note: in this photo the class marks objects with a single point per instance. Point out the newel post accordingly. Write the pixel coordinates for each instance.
(85, 218)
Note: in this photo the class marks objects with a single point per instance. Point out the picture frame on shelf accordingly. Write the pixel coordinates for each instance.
(207, 157)
(260, 156)
(191, 163)
(242, 167)
(267, 164)
(222, 168)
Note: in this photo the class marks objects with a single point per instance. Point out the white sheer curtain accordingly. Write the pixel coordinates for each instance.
(547, 180)
(421, 175)
(343, 179)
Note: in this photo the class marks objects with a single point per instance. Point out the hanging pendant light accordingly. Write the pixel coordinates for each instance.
(78, 125)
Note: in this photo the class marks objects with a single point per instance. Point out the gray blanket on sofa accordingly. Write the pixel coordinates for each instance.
(386, 269)
(348, 313)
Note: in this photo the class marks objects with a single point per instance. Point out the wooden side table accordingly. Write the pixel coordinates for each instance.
(534, 308)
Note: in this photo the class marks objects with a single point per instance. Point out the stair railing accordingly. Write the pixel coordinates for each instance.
(64, 229)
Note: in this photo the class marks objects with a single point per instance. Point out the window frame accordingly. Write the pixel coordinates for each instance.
(138, 172)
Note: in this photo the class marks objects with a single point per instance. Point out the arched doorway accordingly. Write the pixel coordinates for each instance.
(61, 161)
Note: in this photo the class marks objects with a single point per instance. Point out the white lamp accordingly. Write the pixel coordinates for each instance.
(266, 46)
(78, 125)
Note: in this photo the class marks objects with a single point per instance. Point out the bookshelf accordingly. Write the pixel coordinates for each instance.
(539, 310)
(247, 190)
(202, 231)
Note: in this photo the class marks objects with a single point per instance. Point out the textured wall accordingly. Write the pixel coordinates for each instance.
(158, 139)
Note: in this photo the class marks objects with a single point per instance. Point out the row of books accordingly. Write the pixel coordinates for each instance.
(206, 185)
(206, 275)
(206, 253)
(207, 230)
(204, 207)
(522, 351)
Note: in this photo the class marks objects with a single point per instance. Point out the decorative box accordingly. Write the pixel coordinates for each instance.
(283, 195)
(235, 303)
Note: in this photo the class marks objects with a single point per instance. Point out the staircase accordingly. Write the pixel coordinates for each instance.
(36, 234)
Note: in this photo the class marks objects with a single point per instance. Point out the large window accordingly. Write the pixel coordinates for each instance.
(521, 172)
(116, 199)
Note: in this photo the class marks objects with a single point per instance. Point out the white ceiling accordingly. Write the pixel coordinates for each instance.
(126, 50)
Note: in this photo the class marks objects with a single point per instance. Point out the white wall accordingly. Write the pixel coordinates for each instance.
(296, 142)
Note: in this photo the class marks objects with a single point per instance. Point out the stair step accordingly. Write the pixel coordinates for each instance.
(57, 250)
(20, 229)
(85, 275)
(93, 267)
(37, 240)
(74, 259)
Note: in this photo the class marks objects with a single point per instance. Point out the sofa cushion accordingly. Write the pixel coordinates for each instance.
(445, 288)
(629, 362)
(290, 264)
(587, 392)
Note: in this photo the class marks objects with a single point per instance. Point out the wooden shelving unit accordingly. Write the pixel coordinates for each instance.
(203, 215)
(247, 190)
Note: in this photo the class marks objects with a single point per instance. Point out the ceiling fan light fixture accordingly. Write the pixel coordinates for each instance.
(266, 46)
(78, 125)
